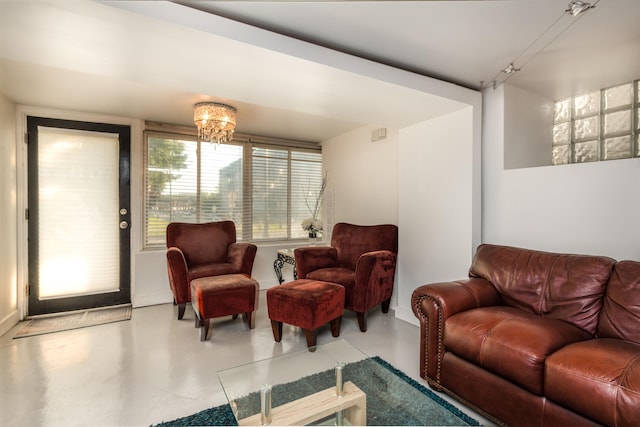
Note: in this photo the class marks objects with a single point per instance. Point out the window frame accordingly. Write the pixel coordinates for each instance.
(248, 142)
(600, 116)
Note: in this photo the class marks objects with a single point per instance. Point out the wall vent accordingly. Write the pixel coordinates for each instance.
(379, 134)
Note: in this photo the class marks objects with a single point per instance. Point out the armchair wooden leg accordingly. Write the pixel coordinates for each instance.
(250, 319)
(312, 337)
(335, 326)
(385, 305)
(204, 330)
(362, 321)
(181, 308)
(276, 327)
(235, 316)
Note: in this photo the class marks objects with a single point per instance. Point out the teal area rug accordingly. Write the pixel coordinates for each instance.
(393, 398)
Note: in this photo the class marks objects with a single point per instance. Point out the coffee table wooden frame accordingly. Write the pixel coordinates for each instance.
(317, 406)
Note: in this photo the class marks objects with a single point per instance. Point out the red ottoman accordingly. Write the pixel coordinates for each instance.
(225, 295)
(307, 304)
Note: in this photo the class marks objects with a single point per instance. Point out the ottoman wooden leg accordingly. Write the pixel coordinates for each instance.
(204, 330)
(198, 323)
(311, 339)
(335, 326)
(276, 327)
(235, 316)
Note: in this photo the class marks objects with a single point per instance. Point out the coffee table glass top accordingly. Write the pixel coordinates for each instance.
(242, 380)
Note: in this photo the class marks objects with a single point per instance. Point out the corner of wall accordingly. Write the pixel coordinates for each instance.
(9, 322)
(8, 216)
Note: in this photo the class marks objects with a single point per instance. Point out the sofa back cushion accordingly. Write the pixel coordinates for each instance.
(620, 315)
(351, 241)
(202, 243)
(562, 286)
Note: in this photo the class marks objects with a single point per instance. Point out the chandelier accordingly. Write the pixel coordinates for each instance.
(216, 122)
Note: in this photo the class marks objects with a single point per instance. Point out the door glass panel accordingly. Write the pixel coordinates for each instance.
(79, 212)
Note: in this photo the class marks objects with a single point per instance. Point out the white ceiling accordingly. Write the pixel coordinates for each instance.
(154, 60)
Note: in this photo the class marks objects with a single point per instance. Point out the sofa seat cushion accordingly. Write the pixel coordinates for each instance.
(604, 370)
(207, 270)
(509, 342)
(340, 275)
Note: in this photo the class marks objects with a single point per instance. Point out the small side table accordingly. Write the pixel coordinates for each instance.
(284, 255)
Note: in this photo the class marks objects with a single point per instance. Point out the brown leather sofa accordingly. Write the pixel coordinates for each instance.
(535, 338)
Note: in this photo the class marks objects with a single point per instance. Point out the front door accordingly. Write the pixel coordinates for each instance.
(78, 215)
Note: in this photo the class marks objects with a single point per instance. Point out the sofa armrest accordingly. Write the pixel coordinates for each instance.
(314, 258)
(432, 304)
(374, 276)
(242, 255)
(178, 275)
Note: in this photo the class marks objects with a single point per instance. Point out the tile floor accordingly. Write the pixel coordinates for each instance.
(154, 368)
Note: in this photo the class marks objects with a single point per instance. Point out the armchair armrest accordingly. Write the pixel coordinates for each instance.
(314, 258)
(242, 255)
(374, 277)
(432, 304)
(178, 275)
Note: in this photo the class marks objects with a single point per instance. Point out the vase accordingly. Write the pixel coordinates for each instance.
(313, 238)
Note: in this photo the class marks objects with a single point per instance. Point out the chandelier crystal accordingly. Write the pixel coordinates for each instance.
(216, 122)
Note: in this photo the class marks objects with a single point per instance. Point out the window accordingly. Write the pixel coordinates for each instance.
(262, 185)
(601, 125)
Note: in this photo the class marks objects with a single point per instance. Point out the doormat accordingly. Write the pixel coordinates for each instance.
(75, 320)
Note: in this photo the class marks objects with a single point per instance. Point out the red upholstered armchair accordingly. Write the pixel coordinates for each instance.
(203, 250)
(362, 258)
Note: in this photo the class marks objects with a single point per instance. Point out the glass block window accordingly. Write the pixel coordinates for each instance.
(600, 125)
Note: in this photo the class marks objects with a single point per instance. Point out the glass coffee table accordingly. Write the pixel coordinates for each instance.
(295, 398)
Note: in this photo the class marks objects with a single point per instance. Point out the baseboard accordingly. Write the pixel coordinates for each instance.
(9, 322)
(405, 313)
(152, 299)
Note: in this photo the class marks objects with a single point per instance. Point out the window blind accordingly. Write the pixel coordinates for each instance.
(264, 188)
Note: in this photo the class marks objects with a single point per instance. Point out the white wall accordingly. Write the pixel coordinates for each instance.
(424, 178)
(590, 208)
(529, 128)
(9, 315)
(439, 202)
(362, 185)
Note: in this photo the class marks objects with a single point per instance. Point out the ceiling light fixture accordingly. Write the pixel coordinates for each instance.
(510, 69)
(557, 28)
(216, 122)
(577, 7)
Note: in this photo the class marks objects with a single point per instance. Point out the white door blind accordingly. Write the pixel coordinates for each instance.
(78, 212)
